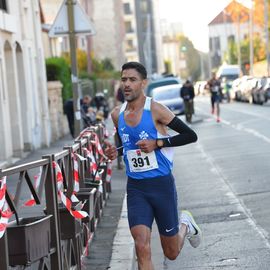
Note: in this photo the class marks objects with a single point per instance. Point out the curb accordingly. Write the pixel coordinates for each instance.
(123, 251)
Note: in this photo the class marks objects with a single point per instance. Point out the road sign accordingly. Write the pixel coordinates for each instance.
(82, 23)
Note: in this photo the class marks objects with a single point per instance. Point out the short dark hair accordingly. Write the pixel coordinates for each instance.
(137, 66)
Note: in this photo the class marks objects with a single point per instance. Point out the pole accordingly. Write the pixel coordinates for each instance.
(89, 39)
(251, 53)
(238, 41)
(74, 73)
(266, 35)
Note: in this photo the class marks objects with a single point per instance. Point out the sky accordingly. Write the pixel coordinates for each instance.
(194, 16)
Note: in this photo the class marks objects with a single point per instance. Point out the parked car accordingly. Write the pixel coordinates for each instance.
(238, 87)
(235, 88)
(169, 95)
(267, 90)
(261, 93)
(161, 82)
(248, 87)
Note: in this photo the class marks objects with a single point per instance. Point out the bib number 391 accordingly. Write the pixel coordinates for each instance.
(141, 162)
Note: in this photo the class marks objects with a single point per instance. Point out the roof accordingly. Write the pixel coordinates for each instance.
(230, 13)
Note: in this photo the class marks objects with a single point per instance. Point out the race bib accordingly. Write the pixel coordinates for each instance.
(139, 161)
(215, 88)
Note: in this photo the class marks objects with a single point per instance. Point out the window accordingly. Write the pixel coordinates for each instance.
(144, 6)
(127, 9)
(130, 45)
(128, 27)
(217, 43)
(3, 5)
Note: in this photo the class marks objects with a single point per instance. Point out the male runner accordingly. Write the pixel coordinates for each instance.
(147, 148)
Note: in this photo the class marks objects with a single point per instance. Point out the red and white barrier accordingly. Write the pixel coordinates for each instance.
(65, 200)
(5, 211)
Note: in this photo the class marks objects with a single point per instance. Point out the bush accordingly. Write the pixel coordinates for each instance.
(58, 70)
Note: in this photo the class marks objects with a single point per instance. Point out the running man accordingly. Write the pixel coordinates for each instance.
(147, 148)
(215, 91)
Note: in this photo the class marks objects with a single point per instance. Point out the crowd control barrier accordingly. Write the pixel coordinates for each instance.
(50, 208)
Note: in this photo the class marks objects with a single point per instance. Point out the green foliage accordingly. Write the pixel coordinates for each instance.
(107, 64)
(81, 59)
(245, 52)
(231, 55)
(101, 69)
(192, 57)
(58, 70)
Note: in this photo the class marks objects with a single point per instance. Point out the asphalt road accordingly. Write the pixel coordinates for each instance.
(224, 180)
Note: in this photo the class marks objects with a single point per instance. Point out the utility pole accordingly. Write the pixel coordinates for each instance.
(251, 50)
(238, 41)
(74, 72)
(266, 35)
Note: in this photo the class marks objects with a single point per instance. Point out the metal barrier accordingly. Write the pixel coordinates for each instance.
(53, 228)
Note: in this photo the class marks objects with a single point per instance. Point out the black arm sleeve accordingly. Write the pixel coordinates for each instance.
(186, 135)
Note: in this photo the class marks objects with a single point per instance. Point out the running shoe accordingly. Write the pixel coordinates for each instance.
(194, 234)
(218, 120)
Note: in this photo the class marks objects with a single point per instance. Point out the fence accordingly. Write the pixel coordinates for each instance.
(55, 205)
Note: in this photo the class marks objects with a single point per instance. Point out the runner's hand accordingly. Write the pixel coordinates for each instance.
(147, 146)
(110, 151)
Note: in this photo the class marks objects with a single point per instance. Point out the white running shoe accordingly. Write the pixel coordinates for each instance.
(194, 234)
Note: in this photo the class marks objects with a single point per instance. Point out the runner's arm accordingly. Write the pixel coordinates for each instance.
(165, 117)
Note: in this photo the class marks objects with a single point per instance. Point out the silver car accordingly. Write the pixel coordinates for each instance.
(169, 95)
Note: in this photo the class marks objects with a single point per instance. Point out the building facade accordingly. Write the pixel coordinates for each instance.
(231, 24)
(24, 117)
(149, 35)
(109, 39)
(171, 46)
(131, 40)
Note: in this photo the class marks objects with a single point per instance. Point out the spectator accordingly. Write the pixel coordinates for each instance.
(187, 94)
(85, 110)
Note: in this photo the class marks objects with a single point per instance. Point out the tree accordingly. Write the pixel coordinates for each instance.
(231, 54)
(191, 56)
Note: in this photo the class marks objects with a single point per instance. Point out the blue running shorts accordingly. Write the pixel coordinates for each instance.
(153, 198)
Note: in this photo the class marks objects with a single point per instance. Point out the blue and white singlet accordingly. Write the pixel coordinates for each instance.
(140, 165)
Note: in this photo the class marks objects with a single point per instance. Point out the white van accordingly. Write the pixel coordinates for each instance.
(230, 72)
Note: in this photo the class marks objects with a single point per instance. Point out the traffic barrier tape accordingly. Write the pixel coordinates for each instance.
(109, 172)
(5, 211)
(65, 200)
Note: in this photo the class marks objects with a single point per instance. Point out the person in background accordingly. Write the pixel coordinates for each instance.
(141, 124)
(69, 112)
(187, 94)
(214, 87)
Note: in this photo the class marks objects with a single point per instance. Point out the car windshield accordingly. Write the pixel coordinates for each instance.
(156, 84)
(229, 77)
(166, 94)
